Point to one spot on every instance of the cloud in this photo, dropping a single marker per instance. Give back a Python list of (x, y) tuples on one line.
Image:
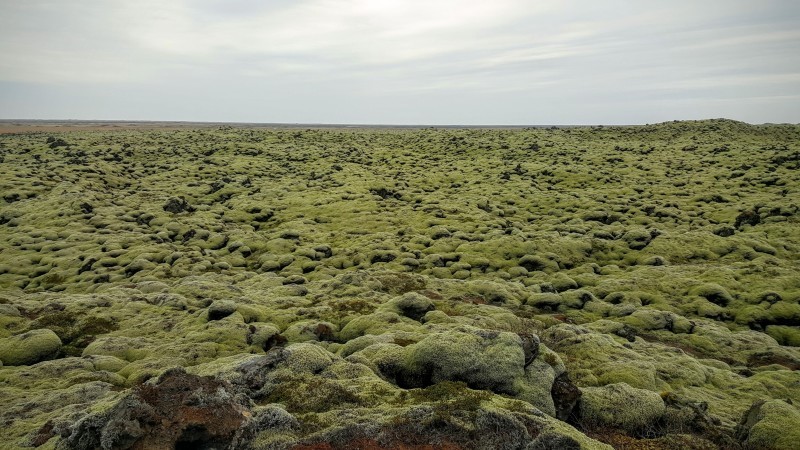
[(392, 48)]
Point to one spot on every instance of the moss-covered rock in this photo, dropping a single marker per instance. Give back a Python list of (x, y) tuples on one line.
[(125, 348), (774, 424), (621, 406), (482, 359), (220, 309), (29, 348), (411, 305), (310, 330)]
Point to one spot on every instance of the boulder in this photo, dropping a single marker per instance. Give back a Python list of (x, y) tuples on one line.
[(620, 406), (29, 348), (770, 425)]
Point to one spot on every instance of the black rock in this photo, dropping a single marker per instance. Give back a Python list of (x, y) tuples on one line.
[(177, 205)]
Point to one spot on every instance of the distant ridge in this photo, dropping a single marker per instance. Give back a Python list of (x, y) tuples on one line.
[(12, 126)]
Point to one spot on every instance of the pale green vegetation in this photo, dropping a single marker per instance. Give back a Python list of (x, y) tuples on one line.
[(461, 288)]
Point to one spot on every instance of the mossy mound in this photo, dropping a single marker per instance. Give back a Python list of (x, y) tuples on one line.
[(773, 424), (621, 406), (29, 348), (483, 360)]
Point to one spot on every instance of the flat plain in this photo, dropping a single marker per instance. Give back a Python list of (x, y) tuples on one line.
[(317, 288)]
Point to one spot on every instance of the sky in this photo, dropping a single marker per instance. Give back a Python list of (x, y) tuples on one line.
[(426, 62)]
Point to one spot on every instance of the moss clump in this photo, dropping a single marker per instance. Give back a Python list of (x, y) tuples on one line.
[(785, 335), (307, 393), (411, 305), (125, 348), (772, 425), (378, 322), (29, 348), (537, 384), (533, 263), (714, 293), (483, 359), (307, 358), (621, 406), (310, 330), (447, 397), (220, 309), (74, 331), (264, 336)]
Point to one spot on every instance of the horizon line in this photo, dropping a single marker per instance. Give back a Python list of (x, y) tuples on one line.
[(360, 125)]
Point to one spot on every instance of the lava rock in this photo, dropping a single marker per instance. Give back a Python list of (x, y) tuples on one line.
[(178, 205)]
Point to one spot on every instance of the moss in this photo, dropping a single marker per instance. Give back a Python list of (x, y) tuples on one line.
[(304, 331), (437, 317), (712, 292), (561, 282), (546, 301), (639, 374), (483, 360), (29, 348), (777, 426), (486, 234), (650, 319), (620, 405), (535, 387), (107, 363), (307, 393), (308, 358), (785, 335), (411, 305), (362, 342), (128, 349), (75, 332), (376, 323), (447, 397), (386, 359), (264, 336), (533, 263)]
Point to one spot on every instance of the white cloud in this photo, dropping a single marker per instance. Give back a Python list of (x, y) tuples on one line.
[(384, 48)]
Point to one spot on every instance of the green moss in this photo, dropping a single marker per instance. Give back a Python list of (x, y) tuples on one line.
[(29, 348), (650, 319), (785, 335), (308, 358), (447, 397), (483, 360), (639, 374), (777, 427), (712, 292), (536, 385), (128, 349), (307, 330), (618, 245), (307, 393), (376, 323), (620, 405)]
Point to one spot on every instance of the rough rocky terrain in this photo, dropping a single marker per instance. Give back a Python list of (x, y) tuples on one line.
[(586, 287)]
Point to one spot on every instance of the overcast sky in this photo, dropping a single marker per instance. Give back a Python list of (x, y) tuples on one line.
[(401, 61)]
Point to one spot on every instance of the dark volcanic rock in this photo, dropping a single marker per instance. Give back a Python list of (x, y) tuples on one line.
[(530, 346), (565, 396), (53, 143), (177, 205), (179, 410), (747, 218)]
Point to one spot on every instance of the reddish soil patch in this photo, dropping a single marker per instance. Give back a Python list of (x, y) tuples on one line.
[(179, 411)]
